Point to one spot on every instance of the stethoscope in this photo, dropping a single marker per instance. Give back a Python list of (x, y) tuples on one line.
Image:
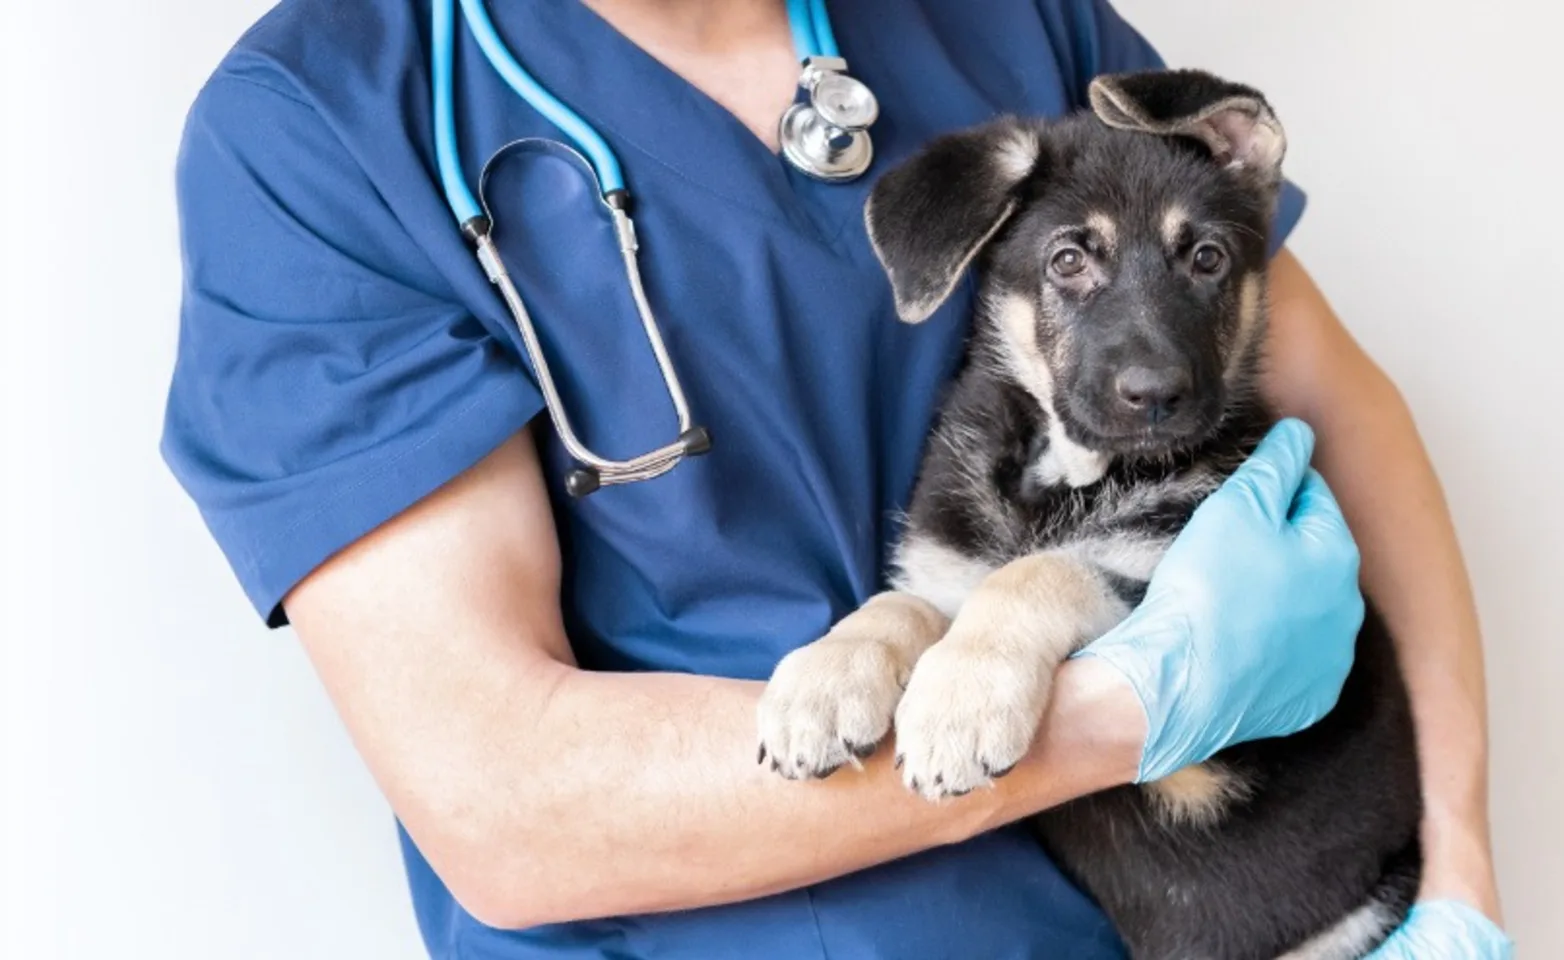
[(824, 134)]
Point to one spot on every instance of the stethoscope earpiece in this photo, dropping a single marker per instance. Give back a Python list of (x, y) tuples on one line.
[(585, 481), (825, 134), (696, 440)]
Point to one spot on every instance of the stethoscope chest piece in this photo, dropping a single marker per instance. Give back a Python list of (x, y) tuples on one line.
[(825, 134)]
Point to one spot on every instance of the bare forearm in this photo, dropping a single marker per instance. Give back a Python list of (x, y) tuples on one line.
[(645, 795), (540, 792), (545, 793), (1412, 568), (1370, 452)]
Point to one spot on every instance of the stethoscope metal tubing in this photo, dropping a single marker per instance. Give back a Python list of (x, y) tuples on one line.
[(596, 471), (624, 228), (604, 471)]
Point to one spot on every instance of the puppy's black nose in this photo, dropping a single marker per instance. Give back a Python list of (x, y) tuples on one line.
[(1154, 392)]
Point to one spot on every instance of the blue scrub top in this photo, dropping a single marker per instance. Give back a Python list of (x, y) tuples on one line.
[(341, 355)]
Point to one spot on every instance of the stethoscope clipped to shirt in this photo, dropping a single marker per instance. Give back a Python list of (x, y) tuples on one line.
[(824, 134)]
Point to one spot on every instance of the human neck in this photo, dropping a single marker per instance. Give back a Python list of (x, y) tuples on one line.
[(737, 52), (693, 26)]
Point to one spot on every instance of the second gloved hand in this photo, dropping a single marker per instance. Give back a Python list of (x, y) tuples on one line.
[(1446, 930), (1250, 621)]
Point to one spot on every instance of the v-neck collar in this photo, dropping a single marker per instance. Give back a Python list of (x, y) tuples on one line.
[(648, 112), (653, 116)]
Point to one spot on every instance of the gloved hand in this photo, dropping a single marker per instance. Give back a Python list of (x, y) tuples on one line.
[(1445, 930), (1250, 621)]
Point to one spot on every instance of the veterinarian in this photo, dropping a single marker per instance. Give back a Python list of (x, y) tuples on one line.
[(557, 695)]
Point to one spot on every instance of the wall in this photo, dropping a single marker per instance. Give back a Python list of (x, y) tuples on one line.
[(176, 785)]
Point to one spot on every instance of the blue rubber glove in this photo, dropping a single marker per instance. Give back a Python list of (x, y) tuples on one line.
[(1250, 621), (1445, 930)]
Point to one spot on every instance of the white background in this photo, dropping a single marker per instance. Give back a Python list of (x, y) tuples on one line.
[(176, 785)]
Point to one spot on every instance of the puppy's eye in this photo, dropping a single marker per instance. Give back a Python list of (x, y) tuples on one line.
[(1068, 262), (1208, 258)]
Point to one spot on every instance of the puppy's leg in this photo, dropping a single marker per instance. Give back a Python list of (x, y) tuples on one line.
[(975, 700), (831, 702)]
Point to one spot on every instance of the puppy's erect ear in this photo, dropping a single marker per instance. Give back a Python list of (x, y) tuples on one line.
[(929, 216), (1235, 121)]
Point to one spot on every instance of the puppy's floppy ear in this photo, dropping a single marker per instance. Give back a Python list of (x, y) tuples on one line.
[(1233, 120), (931, 215)]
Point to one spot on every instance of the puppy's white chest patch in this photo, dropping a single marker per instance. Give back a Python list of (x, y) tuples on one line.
[(937, 574), (1067, 462)]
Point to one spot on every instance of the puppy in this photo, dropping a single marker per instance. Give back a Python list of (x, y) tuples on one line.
[(1110, 385)]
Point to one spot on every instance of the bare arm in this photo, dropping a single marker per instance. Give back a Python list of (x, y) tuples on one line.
[(1370, 452), (542, 793)]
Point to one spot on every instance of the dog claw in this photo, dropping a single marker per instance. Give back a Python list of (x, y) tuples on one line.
[(761, 756), (900, 759), (860, 750), (996, 774)]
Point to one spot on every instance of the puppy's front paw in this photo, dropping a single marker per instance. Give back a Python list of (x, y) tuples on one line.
[(828, 704), (968, 716)]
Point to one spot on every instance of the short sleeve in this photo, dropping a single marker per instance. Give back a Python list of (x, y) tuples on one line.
[(325, 379), (1104, 42)]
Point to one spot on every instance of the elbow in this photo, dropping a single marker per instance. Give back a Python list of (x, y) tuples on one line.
[(510, 879), (505, 899), (538, 893), (500, 906)]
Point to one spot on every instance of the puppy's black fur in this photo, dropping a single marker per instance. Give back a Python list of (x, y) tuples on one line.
[(1110, 387)]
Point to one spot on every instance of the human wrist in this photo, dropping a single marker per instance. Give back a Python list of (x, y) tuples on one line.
[(1101, 716), (1091, 739), (1458, 861)]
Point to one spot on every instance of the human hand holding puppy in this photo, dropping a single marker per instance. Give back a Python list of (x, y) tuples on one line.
[(1446, 930), (1248, 626)]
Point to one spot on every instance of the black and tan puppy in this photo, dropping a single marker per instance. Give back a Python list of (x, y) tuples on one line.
[(1110, 386)]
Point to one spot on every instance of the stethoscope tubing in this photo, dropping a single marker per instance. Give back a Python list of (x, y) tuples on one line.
[(442, 40), (812, 37), (609, 175), (643, 467)]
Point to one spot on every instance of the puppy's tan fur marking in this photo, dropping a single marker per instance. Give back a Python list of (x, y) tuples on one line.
[(1174, 220), (976, 697), (1045, 600), (1198, 794), (1106, 230), (906, 624), (1251, 304), (1066, 461), (840, 692)]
